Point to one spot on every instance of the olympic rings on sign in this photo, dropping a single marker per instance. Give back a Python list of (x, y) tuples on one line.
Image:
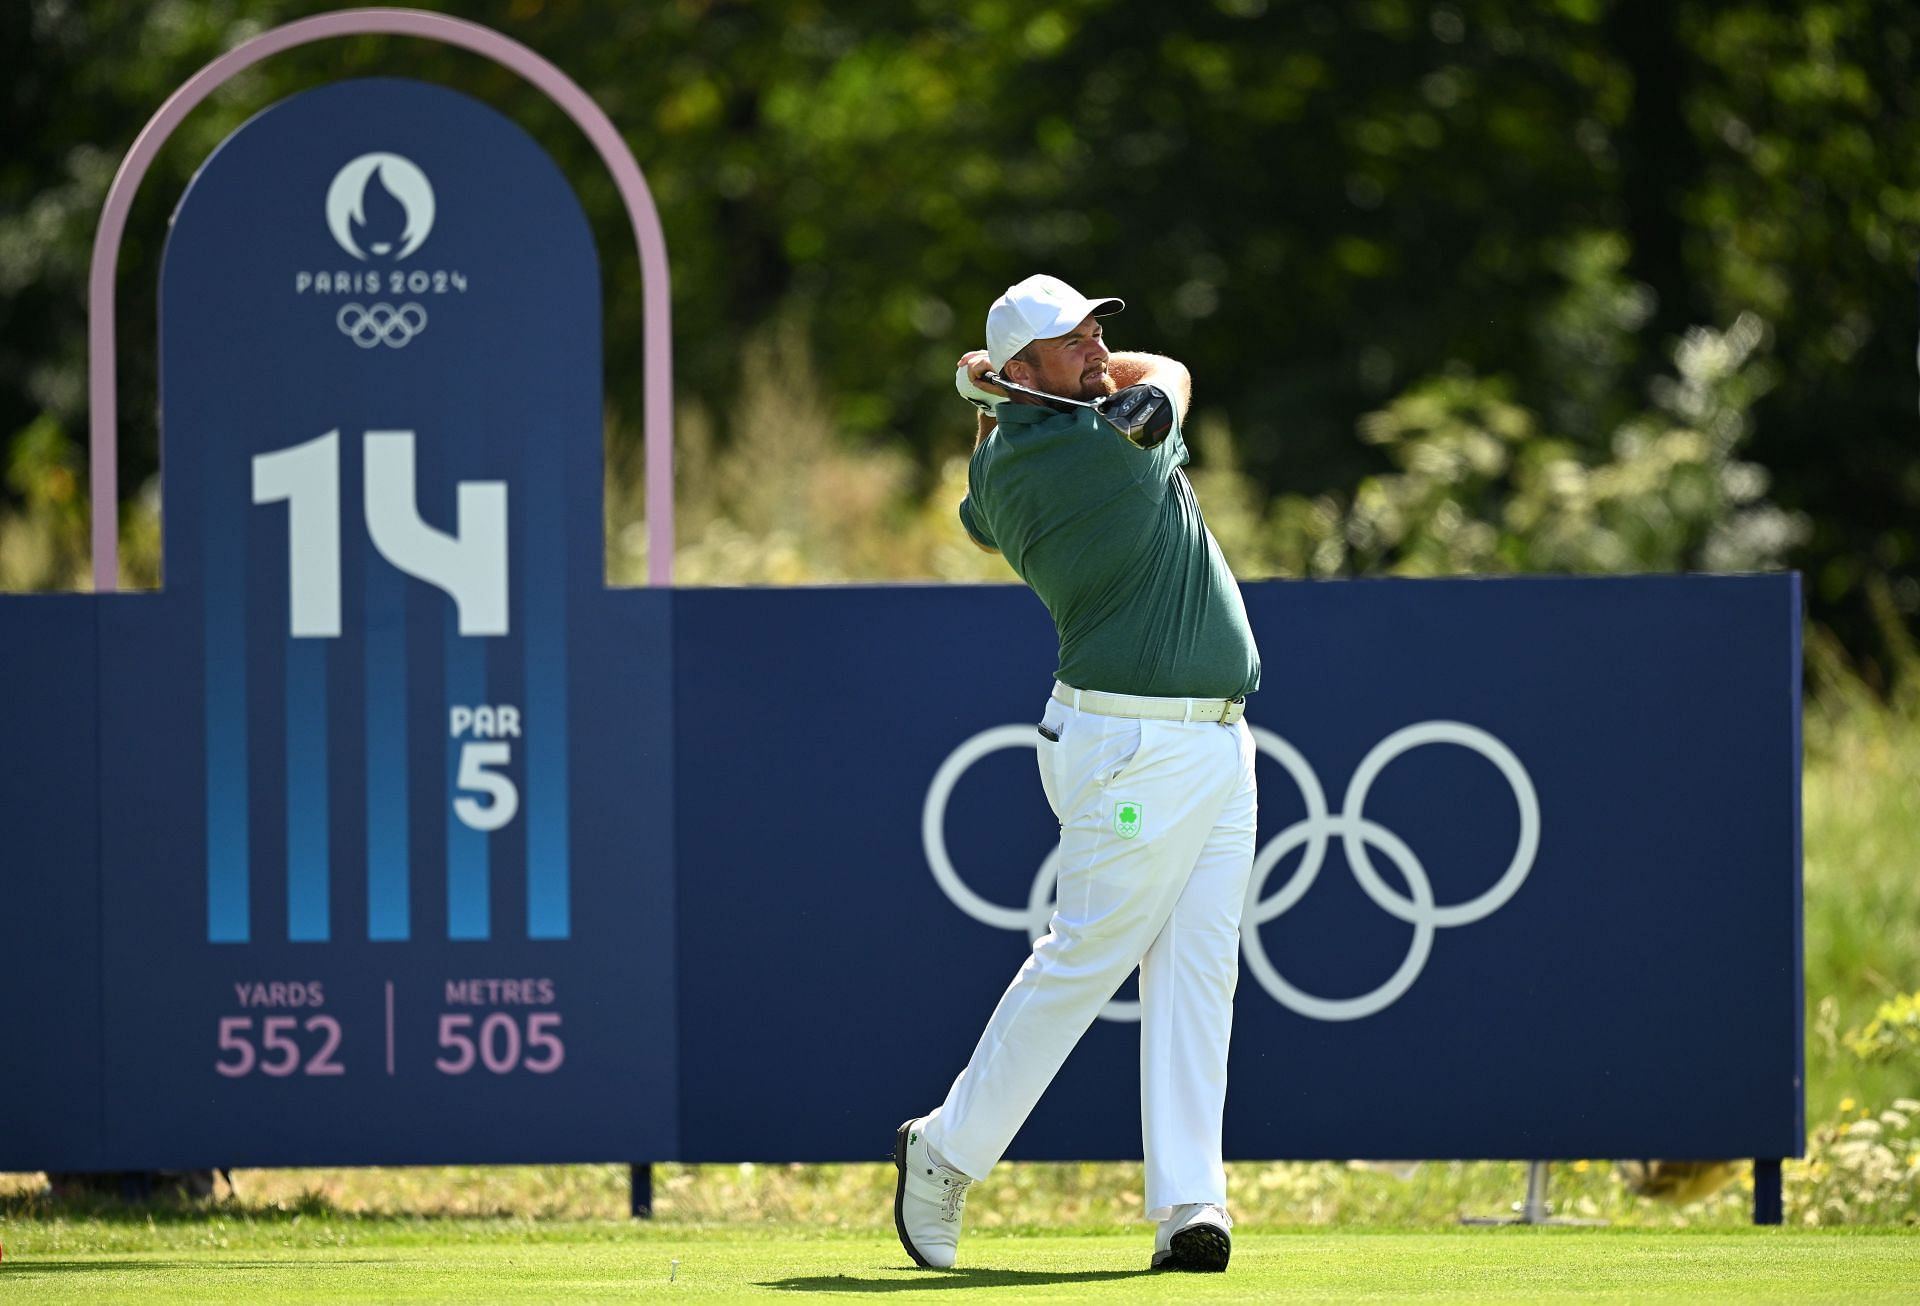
[(1311, 834), (382, 324)]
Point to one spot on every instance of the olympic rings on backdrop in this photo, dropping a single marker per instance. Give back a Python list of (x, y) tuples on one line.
[(1356, 834), (381, 324), (1311, 833)]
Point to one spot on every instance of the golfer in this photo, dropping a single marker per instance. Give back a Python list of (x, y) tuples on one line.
[(1143, 756)]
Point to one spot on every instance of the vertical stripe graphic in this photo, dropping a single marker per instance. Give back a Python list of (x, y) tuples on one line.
[(224, 573), (468, 914), (548, 842), (388, 907), (308, 845)]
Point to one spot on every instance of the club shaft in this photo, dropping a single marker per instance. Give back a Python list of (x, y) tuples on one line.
[(995, 378)]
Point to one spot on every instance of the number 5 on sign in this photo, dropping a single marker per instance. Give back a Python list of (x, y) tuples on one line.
[(503, 797), (470, 565), (490, 722)]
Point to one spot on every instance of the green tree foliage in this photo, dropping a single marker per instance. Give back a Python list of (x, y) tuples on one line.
[(1328, 210), (1479, 487)]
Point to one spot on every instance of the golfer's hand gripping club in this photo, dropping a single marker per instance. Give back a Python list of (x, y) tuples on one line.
[(984, 400)]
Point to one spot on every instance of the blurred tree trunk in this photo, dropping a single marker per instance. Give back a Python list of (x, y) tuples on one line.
[(1659, 162)]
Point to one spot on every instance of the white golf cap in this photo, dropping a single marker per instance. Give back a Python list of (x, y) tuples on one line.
[(1039, 308)]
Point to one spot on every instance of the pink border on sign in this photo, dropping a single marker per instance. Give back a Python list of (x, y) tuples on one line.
[(656, 338)]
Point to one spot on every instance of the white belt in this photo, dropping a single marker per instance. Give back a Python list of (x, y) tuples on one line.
[(1224, 710)]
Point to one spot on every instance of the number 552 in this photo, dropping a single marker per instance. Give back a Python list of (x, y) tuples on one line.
[(279, 1053)]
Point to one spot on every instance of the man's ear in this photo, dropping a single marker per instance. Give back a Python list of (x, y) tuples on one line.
[(1017, 370)]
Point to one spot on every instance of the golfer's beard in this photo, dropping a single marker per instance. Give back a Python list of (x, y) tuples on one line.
[(1094, 387)]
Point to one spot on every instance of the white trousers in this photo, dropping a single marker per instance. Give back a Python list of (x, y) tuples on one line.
[(1156, 847)]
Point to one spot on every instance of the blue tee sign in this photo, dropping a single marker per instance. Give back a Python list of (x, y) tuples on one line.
[(383, 896)]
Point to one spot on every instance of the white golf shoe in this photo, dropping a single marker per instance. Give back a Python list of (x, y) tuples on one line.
[(1194, 1237), (928, 1201)]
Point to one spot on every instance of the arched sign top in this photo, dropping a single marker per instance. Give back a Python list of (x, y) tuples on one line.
[(656, 340)]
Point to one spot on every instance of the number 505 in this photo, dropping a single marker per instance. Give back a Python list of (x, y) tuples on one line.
[(498, 1044)]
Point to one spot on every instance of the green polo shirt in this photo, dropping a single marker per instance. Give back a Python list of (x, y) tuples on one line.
[(1110, 537)]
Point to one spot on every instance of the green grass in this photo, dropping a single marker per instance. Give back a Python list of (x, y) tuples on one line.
[(420, 1261), (1862, 809), (830, 1198)]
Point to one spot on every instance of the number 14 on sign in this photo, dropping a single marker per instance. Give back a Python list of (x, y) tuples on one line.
[(470, 564)]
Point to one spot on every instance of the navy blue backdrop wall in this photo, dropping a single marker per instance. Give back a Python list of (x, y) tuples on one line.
[(1629, 986), (387, 834), (1626, 981)]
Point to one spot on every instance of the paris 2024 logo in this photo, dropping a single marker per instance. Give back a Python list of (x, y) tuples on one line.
[(380, 208)]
